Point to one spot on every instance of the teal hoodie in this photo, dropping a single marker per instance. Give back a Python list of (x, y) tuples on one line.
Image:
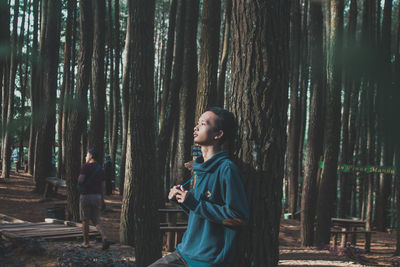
[(217, 205)]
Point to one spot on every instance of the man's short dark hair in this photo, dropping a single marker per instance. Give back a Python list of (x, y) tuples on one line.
[(92, 152), (225, 122)]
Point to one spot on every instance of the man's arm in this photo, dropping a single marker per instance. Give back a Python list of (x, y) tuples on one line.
[(234, 209)]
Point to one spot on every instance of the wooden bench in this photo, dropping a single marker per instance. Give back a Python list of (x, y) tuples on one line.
[(56, 182), (344, 234), (173, 228)]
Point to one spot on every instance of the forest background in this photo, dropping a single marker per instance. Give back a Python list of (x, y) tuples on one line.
[(309, 81)]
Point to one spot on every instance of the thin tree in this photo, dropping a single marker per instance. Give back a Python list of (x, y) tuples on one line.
[(187, 94), (4, 72), (46, 131), (139, 212), (96, 136), (327, 186), (77, 110), (126, 65), (260, 105), (65, 93), (292, 161), (8, 111), (224, 53), (34, 82), (116, 87), (315, 127)]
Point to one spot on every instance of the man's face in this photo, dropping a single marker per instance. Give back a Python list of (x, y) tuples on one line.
[(88, 157), (205, 132)]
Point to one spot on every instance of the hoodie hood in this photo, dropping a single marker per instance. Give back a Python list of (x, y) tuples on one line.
[(200, 167)]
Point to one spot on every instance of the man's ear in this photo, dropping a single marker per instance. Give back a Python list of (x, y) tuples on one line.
[(219, 135)]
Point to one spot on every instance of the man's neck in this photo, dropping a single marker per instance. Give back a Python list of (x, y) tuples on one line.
[(209, 151), (91, 161)]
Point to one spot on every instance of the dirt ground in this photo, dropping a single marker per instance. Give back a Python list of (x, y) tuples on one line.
[(18, 201)]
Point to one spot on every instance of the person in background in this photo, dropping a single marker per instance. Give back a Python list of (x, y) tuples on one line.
[(92, 186)]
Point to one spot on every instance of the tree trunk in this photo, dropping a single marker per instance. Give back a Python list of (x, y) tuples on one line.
[(224, 53), (382, 200), (66, 87), (9, 130), (260, 105), (141, 180), (116, 89), (96, 137), (125, 98), (209, 47), (4, 79), (46, 131), (315, 127), (34, 87), (294, 121), (397, 185), (77, 111), (172, 112), (187, 95), (165, 105), (327, 186)]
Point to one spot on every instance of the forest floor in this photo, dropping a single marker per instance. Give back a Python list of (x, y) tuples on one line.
[(17, 200)]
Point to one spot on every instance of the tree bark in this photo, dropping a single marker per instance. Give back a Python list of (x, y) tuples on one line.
[(327, 186), (187, 95), (315, 127), (225, 53), (209, 47), (125, 97), (34, 87), (96, 137), (116, 88), (141, 180), (77, 111), (165, 105), (4, 78), (9, 130), (172, 111), (260, 106), (46, 131), (65, 93), (292, 156)]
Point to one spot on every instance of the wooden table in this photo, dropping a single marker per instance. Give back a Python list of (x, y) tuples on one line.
[(174, 231), (349, 227), (54, 181)]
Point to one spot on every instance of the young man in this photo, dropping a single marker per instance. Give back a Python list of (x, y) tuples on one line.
[(217, 204), (92, 182)]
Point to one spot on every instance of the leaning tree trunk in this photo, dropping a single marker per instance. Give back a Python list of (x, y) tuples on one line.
[(327, 186), (260, 40), (96, 137), (209, 47), (77, 110), (141, 180), (315, 127)]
